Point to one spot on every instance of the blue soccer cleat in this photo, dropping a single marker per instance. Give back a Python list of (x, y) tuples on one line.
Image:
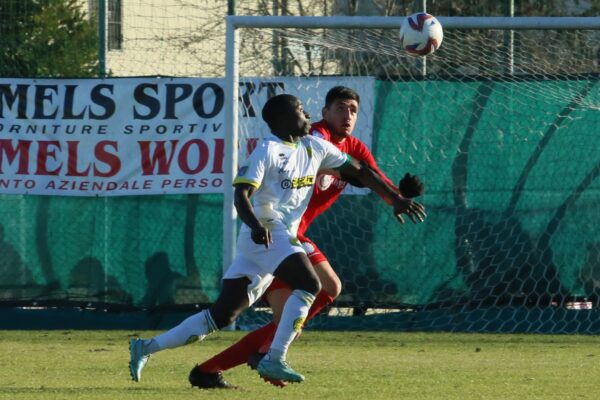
[(253, 361), (138, 359), (278, 370)]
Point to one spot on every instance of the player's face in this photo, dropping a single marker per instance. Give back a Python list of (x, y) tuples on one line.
[(341, 116), (299, 121)]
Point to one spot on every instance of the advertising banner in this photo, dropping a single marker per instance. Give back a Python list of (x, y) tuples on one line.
[(135, 136)]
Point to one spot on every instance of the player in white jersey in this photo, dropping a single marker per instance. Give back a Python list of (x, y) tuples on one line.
[(279, 176)]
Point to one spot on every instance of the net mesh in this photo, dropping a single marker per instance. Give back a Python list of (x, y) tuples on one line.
[(508, 152)]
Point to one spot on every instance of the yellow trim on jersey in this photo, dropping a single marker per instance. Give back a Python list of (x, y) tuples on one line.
[(248, 181), (309, 151), (294, 145)]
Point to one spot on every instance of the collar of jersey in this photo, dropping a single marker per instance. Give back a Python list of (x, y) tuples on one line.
[(294, 145)]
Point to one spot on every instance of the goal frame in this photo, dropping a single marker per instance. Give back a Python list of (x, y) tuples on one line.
[(234, 23)]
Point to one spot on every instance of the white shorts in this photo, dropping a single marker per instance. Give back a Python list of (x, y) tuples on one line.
[(257, 263)]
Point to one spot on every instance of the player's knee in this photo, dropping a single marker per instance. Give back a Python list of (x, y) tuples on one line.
[(330, 282), (232, 300), (224, 320), (332, 285), (223, 317), (310, 284), (313, 285)]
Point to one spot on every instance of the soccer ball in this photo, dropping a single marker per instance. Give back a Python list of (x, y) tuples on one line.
[(421, 34)]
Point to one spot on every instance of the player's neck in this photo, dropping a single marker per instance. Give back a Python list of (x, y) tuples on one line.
[(338, 138), (286, 137)]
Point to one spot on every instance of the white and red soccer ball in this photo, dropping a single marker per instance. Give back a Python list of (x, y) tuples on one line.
[(421, 34)]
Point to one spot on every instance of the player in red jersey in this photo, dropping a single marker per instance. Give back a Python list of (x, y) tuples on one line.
[(339, 118)]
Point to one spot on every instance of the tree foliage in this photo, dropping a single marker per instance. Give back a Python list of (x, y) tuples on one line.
[(46, 38)]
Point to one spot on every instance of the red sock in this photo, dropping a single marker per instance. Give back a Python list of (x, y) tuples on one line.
[(238, 353), (322, 300)]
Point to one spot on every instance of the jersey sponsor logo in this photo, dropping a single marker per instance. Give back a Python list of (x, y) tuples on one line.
[(340, 183), (325, 181), (298, 183), (242, 171)]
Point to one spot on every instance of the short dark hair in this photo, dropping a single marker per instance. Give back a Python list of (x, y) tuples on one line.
[(277, 107), (340, 93)]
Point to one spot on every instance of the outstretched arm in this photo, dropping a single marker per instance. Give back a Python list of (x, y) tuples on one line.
[(410, 186), (241, 200), (371, 179)]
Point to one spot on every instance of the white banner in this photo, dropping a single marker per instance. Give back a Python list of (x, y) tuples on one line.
[(133, 136)]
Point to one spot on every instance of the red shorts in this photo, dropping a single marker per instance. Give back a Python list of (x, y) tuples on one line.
[(314, 255)]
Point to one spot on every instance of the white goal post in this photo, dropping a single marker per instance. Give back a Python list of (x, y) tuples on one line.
[(501, 125), (232, 73)]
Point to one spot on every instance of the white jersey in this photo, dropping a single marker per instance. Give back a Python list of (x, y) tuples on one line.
[(284, 175)]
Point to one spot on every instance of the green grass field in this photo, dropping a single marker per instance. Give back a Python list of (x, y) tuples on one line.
[(337, 365)]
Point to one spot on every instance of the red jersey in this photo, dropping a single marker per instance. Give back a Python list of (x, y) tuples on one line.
[(327, 187)]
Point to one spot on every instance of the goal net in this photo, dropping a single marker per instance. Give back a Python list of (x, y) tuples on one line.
[(501, 126)]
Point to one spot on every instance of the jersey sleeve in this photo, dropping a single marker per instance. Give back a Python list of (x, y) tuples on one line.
[(332, 156), (253, 170)]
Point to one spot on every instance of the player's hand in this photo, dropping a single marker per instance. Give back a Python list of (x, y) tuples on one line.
[(261, 235), (411, 186), (415, 211)]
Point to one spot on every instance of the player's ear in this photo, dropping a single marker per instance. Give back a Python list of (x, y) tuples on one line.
[(324, 112)]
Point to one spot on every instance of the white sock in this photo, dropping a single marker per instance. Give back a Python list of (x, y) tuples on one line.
[(292, 319), (192, 329)]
